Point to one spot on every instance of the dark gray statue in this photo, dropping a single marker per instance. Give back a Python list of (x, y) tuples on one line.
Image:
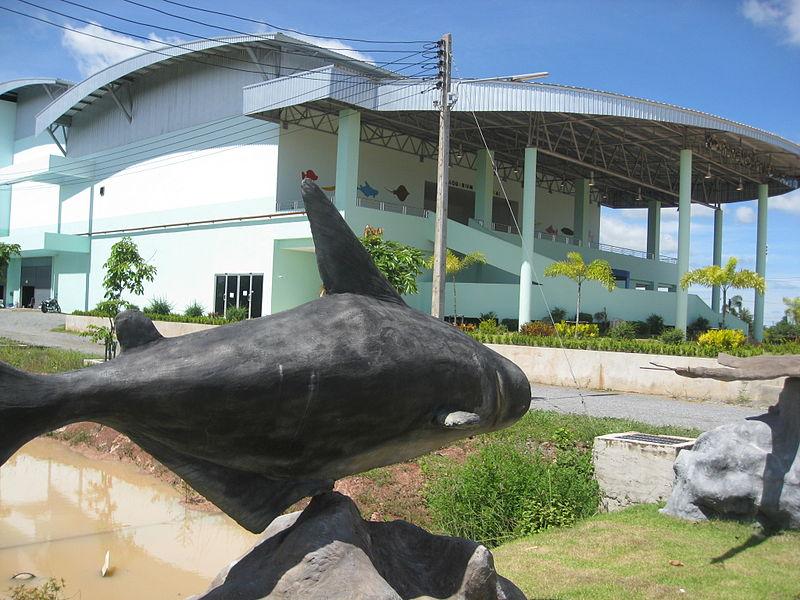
[(748, 469), (257, 415)]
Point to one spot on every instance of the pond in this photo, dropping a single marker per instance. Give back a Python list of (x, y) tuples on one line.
[(61, 512)]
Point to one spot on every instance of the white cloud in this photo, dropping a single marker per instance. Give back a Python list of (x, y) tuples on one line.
[(745, 214), (93, 54), (788, 202), (335, 46), (783, 14), (622, 233)]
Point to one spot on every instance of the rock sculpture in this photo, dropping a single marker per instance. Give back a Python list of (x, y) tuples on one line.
[(259, 414), (749, 469), (329, 551)]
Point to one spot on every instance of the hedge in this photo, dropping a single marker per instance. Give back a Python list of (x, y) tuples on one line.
[(636, 346), (156, 317)]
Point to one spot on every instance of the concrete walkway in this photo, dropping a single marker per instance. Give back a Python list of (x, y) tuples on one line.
[(657, 410), (34, 327)]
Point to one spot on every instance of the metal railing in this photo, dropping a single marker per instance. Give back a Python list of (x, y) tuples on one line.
[(394, 207)]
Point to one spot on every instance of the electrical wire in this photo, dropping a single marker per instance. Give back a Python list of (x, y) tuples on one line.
[(529, 251), (107, 170), (89, 161), (273, 26), (228, 29), (352, 62)]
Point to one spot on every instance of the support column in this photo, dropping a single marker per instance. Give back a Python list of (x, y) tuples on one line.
[(581, 221), (653, 229), (484, 186), (684, 222), (8, 120), (347, 143), (761, 261), (13, 282), (527, 222), (717, 258)]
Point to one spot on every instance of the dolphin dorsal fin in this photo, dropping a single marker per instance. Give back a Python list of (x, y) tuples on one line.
[(344, 265), (135, 329)]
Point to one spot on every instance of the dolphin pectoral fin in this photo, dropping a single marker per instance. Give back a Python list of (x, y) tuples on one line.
[(134, 329), (251, 500), (459, 420)]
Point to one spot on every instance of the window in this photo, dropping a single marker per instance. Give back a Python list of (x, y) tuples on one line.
[(242, 290)]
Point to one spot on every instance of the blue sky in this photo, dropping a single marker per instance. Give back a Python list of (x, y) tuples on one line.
[(739, 59)]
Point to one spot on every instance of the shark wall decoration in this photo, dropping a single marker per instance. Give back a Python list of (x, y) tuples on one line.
[(258, 414)]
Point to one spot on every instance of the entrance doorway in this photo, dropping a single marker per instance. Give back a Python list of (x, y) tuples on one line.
[(28, 296), (239, 290)]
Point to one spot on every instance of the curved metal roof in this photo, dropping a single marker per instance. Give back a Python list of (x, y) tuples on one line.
[(96, 86), (631, 146), (6, 87)]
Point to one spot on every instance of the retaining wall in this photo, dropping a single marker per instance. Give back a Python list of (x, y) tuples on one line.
[(165, 328), (629, 372)]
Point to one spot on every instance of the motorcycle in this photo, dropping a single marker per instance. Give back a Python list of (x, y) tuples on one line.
[(50, 305)]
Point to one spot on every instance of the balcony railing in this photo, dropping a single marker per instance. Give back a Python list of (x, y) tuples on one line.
[(401, 209)]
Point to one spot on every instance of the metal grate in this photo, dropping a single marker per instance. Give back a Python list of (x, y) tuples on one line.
[(653, 439)]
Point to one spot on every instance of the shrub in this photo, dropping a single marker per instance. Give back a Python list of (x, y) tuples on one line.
[(211, 319), (655, 324), (195, 309), (582, 330), (672, 336), (159, 306), (696, 327), (467, 327), (490, 327), (488, 316), (782, 331), (538, 328), (557, 314), (236, 313), (622, 330), (503, 492), (510, 324), (724, 339)]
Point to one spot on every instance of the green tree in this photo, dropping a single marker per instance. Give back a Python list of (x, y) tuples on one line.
[(455, 264), (126, 271), (575, 268), (399, 263), (792, 309), (726, 278), (7, 252)]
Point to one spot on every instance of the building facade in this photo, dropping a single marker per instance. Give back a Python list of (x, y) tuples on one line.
[(199, 160)]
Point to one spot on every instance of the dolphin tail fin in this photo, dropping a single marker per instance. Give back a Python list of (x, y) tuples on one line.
[(27, 409)]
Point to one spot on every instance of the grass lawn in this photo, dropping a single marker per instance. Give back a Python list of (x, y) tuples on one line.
[(37, 359), (627, 554)]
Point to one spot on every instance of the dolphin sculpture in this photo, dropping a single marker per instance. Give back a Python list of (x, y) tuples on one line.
[(258, 414)]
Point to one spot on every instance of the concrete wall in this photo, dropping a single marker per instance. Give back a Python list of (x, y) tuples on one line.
[(165, 328), (623, 371)]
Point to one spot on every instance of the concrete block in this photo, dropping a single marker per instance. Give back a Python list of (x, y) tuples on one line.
[(635, 468)]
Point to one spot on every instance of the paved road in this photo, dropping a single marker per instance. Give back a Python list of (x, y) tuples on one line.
[(34, 327), (658, 410)]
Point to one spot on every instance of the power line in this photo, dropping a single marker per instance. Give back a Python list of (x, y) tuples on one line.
[(359, 63), (93, 162), (110, 169), (273, 26)]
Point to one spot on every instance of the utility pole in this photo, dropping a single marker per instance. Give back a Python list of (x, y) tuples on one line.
[(442, 177)]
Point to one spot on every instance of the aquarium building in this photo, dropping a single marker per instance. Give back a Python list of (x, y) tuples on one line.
[(197, 153)]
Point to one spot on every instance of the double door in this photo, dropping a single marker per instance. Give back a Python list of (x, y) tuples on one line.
[(239, 290)]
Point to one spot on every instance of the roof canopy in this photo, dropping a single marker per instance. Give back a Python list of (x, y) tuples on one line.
[(630, 147), (52, 85)]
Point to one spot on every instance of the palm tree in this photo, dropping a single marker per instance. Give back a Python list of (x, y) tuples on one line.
[(725, 278), (792, 309), (576, 269), (454, 264), (7, 252)]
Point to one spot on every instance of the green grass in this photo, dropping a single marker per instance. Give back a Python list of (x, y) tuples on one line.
[(37, 359), (627, 554), (63, 329)]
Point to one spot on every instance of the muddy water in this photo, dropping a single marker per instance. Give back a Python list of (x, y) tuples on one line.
[(61, 512)]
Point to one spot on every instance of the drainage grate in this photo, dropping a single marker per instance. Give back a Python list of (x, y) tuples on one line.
[(653, 439)]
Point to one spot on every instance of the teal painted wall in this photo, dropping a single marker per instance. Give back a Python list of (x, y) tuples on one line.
[(295, 278), (8, 120), (13, 281), (70, 273)]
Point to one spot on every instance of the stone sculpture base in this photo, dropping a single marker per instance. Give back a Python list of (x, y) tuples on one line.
[(745, 470), (328, 552)]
